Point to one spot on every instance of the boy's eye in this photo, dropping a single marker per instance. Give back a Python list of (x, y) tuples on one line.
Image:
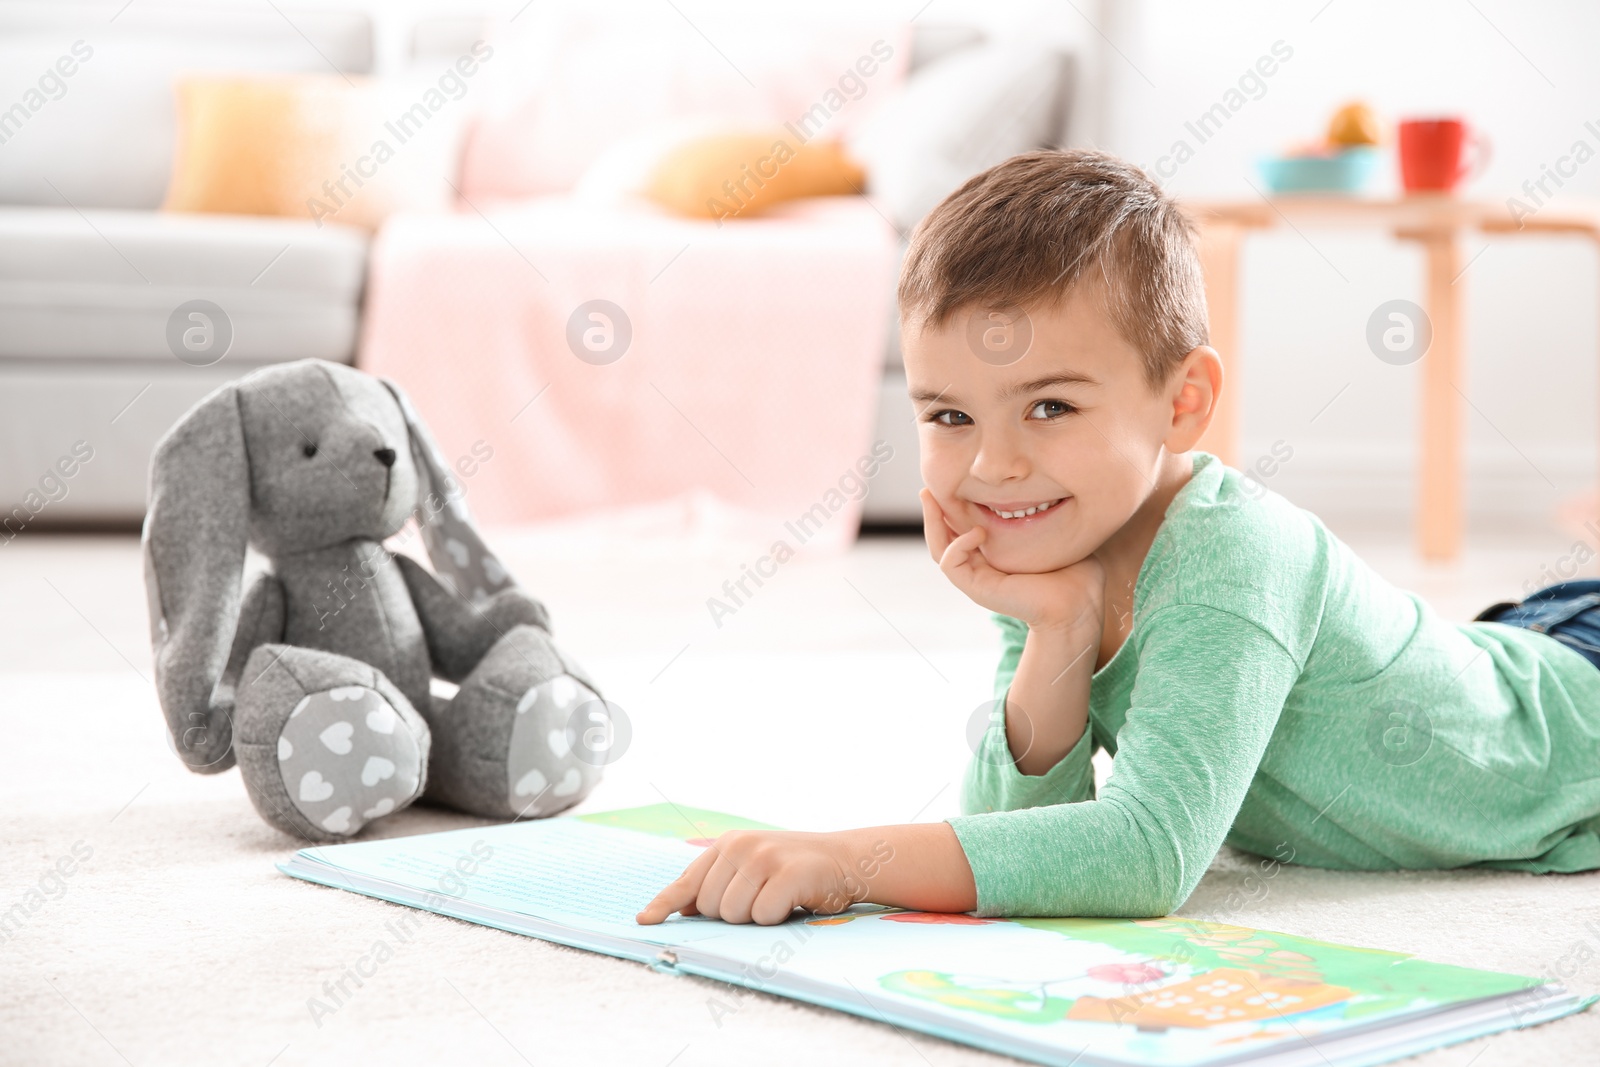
[(940, 417), (1050, 409)]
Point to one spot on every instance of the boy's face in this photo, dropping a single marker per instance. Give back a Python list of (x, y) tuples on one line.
[(1071, 424)]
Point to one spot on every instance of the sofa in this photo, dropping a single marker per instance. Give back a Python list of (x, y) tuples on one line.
[(793, 309), (116, 317)]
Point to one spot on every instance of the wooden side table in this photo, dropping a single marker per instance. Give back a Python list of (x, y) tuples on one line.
[(1436, 222)]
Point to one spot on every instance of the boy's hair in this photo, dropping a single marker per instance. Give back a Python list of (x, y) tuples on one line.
[(1025, 231)]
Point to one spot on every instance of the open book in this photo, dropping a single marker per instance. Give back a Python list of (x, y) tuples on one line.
[(1166, 991)]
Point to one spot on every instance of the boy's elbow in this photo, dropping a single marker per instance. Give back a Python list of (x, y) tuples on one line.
[(1168, 894), (1139, 905), (1144, 897), (1158, 905), (1149, 891)]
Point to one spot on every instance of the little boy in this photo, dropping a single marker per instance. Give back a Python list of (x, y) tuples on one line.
[(1257, 683)]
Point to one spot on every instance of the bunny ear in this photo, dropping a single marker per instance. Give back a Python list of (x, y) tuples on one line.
[(457, 553), (195, 533)]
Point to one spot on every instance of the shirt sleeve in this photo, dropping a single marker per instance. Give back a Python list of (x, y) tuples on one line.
[(1209, 689), (1013, 634), (993, 782)]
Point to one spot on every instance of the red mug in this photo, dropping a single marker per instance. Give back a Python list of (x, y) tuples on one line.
[(1434, 154)]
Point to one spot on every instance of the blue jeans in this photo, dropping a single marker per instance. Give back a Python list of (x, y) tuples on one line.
[(1566, 611)]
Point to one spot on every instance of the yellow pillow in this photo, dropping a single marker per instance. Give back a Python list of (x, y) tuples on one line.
[(736, 175), (305, 146)]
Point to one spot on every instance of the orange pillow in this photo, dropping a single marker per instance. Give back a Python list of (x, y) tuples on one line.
[(304, 146), (736, 175)]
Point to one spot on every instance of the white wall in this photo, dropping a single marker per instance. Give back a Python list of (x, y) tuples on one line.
[(1526, 74)]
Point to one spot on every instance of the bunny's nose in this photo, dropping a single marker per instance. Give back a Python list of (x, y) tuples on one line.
[(385, 456)]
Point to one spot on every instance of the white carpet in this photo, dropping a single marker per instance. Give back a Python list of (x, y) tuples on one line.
[(836, 697)]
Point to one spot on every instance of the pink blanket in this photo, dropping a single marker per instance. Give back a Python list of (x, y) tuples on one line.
[(751, 372)]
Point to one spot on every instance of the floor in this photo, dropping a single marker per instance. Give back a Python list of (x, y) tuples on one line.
[(835, 695)]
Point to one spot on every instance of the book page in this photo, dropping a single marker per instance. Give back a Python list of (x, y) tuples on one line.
[(1167, 991), (565, 870), (1157, 992)]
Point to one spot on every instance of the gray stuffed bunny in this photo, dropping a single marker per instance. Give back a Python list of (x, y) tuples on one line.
[(319, 683)]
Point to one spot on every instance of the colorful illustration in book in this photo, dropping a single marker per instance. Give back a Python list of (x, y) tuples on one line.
[(1027, 1002), (1225, 995), (900, 915), (942, 918), (1211, 998), (1194, 974), (1144, 997), (1382, 980)]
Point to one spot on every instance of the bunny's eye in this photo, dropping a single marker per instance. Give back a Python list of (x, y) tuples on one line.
[(309, 450)]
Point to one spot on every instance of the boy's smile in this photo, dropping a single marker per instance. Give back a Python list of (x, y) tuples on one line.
[(1052, 454), (1020, 513)]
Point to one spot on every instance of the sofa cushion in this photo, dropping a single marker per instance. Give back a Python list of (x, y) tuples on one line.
[(740, 174), (86, 110), (959, 116), (311, 146), (104, 284)]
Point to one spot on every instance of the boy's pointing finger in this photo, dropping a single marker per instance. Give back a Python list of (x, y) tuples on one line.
[(680, 894)]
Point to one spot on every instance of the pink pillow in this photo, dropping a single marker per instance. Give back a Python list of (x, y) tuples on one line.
[(570, 80)]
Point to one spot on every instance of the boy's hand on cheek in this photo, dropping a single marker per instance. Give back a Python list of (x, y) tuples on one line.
[(760, 876), (1069, 599)]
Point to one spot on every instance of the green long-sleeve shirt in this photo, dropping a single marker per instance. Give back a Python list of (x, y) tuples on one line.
[(1277, 695)]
